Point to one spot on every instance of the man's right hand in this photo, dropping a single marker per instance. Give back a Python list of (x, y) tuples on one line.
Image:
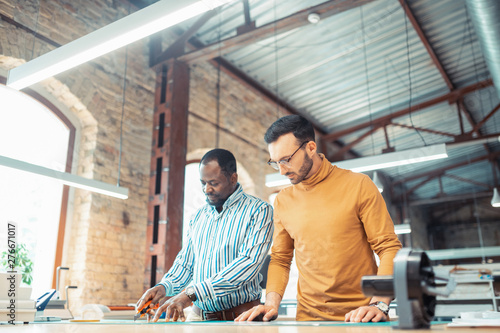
[(155, 294), (268, 312)]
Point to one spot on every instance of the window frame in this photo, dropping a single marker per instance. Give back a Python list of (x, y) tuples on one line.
[(63, 214)]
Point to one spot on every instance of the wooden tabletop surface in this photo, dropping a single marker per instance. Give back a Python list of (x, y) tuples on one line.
[(229, 327)]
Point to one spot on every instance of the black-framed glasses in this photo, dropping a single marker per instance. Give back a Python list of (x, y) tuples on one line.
[(285, 162)]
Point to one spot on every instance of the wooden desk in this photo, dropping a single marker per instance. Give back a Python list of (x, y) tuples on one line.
[(228, 327)]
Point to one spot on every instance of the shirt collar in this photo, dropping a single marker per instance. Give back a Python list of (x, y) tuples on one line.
[(237, 194)]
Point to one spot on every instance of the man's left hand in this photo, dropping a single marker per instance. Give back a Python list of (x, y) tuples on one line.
[(365, 314), (173, 308)]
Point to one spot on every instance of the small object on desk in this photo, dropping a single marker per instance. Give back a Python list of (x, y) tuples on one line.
[(144, 310), (91, 312), (413, 284), (477, 319), (121, 308), (58, 272), (41, 304)]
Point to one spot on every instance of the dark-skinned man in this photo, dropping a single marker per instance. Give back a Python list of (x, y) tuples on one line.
[(228, 240)]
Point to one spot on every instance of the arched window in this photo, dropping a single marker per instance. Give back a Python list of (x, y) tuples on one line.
[(193, 195), (33, 130)]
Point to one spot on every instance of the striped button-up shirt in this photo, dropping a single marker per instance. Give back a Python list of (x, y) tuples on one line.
[(224, 253)]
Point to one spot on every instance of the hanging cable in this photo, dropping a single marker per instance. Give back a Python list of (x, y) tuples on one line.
[(494, 118), (276, 60), (476, 75), (35, 33), (389, 95), (217, 121), (478, 220), (454, 68), (121, 120), (474, 195), (123, 112), (366, 76), (409, 74)]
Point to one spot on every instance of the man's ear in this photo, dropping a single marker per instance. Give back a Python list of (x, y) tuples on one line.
[(234, 178), (311, 148)]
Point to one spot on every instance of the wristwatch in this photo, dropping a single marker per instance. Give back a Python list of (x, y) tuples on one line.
[(381, 306), (191, 293)]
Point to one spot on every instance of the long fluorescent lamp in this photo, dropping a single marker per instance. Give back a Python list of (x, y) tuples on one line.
[(145, 22), (403, 228), (66, 178), (474, 252), (399, 158)]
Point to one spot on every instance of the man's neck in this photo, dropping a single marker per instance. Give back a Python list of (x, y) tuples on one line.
[(317, 161), (219, 208)]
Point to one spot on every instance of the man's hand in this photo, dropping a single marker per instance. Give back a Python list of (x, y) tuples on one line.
[(173, 308), (365, 314), (155, 295), (266, 312)]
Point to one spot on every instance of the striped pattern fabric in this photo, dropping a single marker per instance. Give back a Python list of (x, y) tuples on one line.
[(224, 253)]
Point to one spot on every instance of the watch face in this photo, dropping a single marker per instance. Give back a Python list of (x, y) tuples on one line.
[(382, 306), (191, 294)]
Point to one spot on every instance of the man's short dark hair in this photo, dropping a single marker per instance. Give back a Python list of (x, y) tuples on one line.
[(224, 158), (301, 128)]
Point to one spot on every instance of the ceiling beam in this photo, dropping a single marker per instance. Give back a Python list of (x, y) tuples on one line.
[(461, 108), (340, 153), (425, 41), (294, 21), (31, 32), (450, 198), (421, 129), (450, 97), (485, 119), (239, 75), (466, 136), (177, 48), (248, 81), (423, 182), (466, 180), (449, 167), (249, 24)]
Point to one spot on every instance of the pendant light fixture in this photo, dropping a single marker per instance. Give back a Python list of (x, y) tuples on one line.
[(377, 182), (495, 201), (145, 22)]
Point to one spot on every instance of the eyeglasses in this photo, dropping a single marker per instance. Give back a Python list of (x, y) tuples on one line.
[(286, 161)]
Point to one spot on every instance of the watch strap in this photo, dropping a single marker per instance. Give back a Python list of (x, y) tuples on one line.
[(190, 292), (381, 306)]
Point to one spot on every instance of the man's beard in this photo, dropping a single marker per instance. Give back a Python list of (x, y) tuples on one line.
[(303, 171), (217, 203)]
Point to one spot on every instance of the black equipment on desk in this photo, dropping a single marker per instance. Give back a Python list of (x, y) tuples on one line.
[(413, 284)]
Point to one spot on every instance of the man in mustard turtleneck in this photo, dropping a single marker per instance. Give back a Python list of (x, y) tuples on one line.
[(334, 219)]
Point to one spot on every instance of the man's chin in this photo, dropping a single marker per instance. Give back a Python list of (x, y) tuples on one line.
[(217, 203), (296, 180)]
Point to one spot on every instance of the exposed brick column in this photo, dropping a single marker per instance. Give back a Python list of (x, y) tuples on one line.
[(168, 161)]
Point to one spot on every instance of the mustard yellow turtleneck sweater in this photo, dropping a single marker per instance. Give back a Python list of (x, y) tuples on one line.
[(334, 221)]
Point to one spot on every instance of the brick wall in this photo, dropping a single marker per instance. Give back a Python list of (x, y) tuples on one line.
[(105, 240), (244, 117)]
